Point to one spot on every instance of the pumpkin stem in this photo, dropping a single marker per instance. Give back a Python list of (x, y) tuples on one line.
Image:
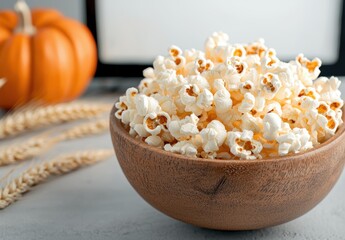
[(2, 82), (24, 15)]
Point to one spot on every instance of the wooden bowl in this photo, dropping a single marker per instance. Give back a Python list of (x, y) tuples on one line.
[(229, 194)]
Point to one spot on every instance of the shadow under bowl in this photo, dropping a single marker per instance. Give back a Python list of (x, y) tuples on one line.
[(229, 194)]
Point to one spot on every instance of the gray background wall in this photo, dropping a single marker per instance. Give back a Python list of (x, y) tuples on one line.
[(71, 8)]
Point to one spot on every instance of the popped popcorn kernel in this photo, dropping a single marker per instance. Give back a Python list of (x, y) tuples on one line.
[(308, 92), (272, 125), (237, 64), (238, 51), (154, 123), (246, 86), (307, 70), (121, 107), (175, 51), (184, 128), (270, 85), (323, 108), (203, 65), (145, 105), (270, 61), (213, 136), (294, 141), (243, 145), (183, 147), (312, 66), (232, 101), (247, 104), (256, 48), (155, 141), (194, 99)]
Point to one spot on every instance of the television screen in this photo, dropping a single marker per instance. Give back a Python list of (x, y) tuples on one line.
[(134, 31)]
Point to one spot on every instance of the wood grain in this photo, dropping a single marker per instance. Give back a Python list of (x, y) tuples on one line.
[(229, 194)]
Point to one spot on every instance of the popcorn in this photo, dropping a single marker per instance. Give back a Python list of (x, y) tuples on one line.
[(175, 51), (216, 45), (159, 64), (243, 146), (237, 50), (194, 99), (294, 141), (183, 147), (246, 86), (145, 105), (247, 104), (148, 86), (230, 76), (204, 154), (121, 106), (237, 64), (309, 92), (213, 136), (149, 73), (270, 84), (198, 80), (270, 61), (249, 122), (328, 90), (127, 116), (131, 94), (201, 65), (217, 39), (259, 103), (126, 106), (167, 103), (308, 70), (307, 103), (222, 98), (328, 124), (179, 60), (154, 123), (272, 106), (253, 62), (185, 128), (170, 82), (137, 127), (256, 48), (155, 141), (224, 155), (191, 55), (290, 115), (231, 72), (231, 119), (272, 125), (233, 101)]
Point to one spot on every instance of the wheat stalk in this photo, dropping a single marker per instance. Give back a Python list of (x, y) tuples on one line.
[(33, 147), (37, 174), (31, 118), (37, 145), (87, 129)]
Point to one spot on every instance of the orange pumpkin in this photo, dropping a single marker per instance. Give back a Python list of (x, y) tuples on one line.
[(44, 56)]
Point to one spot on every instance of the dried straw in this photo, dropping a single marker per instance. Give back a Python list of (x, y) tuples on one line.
[(37, 145), (34, 117), (37, 174)]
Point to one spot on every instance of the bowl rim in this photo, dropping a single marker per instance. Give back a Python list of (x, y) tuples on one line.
[(118, 126)]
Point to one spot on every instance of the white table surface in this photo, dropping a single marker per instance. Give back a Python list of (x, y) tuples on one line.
[(98, 203)]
